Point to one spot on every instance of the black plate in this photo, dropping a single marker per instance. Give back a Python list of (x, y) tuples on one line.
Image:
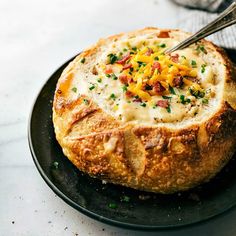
[(128, 208)]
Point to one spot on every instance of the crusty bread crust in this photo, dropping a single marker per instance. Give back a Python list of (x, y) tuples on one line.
[(151, 158)]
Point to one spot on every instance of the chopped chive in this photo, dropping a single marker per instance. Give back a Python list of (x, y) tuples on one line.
[(113, 96), (92, 87), (203, 68), (124, 88), (197, 93), (125, 199), (183, 100), (140, 63), (172, 91), (205, 101), (125, 49), (114, 77), (166, 97), (201, 48), (112, 205), (108, 75), (163, 45), (170, 65), (168, 109), (86, 101), (55, 164), (193, 64), (74, 89), (134, 49), (184, 57), (156, 58), (143, 104), (112, 58), (99, 80), (82, 60), (148, 87)]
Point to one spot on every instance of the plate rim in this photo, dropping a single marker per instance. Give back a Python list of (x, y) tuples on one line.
[(83, 210)]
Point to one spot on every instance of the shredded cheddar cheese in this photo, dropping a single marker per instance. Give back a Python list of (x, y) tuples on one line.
[(150, 67)]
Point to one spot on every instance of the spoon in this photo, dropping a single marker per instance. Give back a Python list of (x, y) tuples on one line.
[(225, 19)]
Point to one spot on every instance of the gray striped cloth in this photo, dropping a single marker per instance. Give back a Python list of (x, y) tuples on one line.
[(194, 19)]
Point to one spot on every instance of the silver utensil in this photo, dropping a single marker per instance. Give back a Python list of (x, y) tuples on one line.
[(225, 19)]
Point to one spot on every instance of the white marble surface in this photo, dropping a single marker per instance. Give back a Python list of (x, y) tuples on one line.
[(36, 37)]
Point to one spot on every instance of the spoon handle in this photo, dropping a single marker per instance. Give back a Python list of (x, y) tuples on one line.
[(225, 19)]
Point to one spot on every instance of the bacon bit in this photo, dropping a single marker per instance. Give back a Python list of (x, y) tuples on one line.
[(108, 70), (130, 80), (193, 79), (137, 100), (178, 81), (158, 88), (123, 79), (124, 59), (163, 34), (129, 94), (94, 70), (149, 52), (127, 66), (163, 103), (175, 58), (156, 65)]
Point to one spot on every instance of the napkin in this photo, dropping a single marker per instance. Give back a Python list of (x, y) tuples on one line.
[(201, 13)]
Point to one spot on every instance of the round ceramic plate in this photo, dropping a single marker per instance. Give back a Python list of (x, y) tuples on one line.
[(119, 205)]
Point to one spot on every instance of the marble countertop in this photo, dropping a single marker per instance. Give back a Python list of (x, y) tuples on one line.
[(36, 38)]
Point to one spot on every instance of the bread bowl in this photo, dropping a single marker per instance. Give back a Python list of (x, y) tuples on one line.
[(128, 114)]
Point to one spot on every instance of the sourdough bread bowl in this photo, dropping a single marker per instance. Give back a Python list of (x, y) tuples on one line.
[(128, 114)]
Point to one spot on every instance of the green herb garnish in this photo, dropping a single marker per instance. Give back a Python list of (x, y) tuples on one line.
[(201, 48), (124, 88), (125, 199), (99, 80), (82, 60), (148, 87), (166, 97), (205, 101), (55, 164), (114, 77), (172, 91), (143, 104), (203, 68), (86, 101), (140, 63), (112, 205), (197, 93), (163, 45), (74, 89), (183, 100), (156, 58), (112, 58), (193, 64), (168, 109), (113, 96), (92, 87)]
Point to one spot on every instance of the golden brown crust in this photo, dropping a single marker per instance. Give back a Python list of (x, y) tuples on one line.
[(157, 159)]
